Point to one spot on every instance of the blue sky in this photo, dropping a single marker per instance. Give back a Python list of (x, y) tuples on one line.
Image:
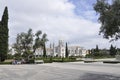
[(74, 21), (84, 6)]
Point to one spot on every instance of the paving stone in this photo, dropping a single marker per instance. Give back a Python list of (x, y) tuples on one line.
[(60, 71)]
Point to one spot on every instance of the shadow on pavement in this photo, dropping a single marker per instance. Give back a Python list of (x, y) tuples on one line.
[(90, 76)]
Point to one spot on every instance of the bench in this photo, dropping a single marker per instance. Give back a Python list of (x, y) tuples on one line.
[(18, 62), (39, 61)]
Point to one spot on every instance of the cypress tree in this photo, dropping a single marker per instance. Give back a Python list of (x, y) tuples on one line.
[(44, 50), (97, 49), (4, 35), (66, 51), (113, 50)]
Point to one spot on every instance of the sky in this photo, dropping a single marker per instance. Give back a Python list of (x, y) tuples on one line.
[(73, 21)]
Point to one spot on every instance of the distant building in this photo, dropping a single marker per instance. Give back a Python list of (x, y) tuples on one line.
[(59, 50)]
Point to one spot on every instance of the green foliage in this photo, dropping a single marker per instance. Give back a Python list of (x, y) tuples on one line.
[(4, 35), (47, 60), (31, 61), (56, 59), (97, 49), (44, 50), (5, 63), (66, 51), (111, 62), (118, 51), (39, 58), (103, 53), (10, 56), (27, 43), (68, 60), (38, 41), (109, 17), (113, 50), (23, 44), (89, 61), (64, 59)]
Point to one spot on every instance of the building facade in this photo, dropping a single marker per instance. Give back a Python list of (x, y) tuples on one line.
[(59, 50)]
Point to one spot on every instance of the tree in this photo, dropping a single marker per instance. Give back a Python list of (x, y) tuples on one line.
[(44, 50), (118, 51), (109, 17), (4, 35), (38, 42), (66, 51), (18, 47), (24, 43), (44, 40), (113, 50), (97, 49), (27, 43)]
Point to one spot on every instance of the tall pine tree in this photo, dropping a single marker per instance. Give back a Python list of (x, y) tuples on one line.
[(4, 35), (44, 50), (97, 49), (113, 50), (66, 51)]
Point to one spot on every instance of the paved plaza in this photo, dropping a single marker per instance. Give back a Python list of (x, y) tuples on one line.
[(61, 71)]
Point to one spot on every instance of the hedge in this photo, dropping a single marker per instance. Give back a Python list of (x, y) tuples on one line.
[(89, 61), (5, 63), (112, 62)]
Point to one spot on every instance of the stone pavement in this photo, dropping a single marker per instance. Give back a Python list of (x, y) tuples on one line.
[(61, 71)]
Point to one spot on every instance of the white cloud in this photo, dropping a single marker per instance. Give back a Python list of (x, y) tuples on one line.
[(56, 18)]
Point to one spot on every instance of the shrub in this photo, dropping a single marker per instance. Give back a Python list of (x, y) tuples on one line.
[(38, 58), (47, 60), (31, 61), (89, 61), (5, 63), (117, 57), (64, 60), (112, 62)]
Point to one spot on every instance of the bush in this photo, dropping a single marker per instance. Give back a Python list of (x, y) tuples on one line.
[(98, 55), (112, 62), (89, 61), (57, 60), (47, 60), (39, 58), (31, 61), (117, 57), (72, 58), (69, 59), (5, 63), (64, 60)]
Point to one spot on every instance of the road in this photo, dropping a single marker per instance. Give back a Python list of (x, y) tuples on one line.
[(61, 71)]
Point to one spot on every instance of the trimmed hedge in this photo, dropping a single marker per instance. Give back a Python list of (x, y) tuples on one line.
[(64, 60), (5, 63), (89, 61), (50, 60), (47, 61), (112, 62), (31, 61)]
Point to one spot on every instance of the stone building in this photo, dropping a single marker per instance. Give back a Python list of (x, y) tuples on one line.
[(59, 50)]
